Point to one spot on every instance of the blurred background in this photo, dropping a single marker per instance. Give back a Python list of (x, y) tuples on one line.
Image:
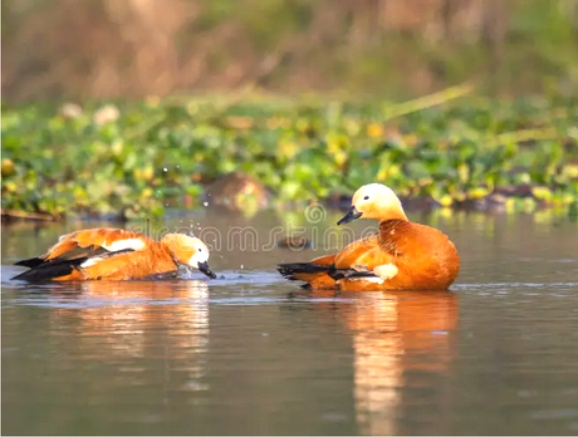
[(455, 102), (58, 49)]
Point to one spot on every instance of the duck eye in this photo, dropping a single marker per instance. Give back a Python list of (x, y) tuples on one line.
[(200, 250), (366, 198)]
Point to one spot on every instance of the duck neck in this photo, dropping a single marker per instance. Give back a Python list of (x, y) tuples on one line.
[(394, 215), (166, 242)]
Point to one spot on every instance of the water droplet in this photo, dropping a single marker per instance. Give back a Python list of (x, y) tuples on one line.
[(165, 169)]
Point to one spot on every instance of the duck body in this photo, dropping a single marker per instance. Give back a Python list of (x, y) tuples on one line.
[(402, 256), (115, 254)]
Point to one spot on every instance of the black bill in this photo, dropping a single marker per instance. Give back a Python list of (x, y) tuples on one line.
[(204, 267), (351, 215)]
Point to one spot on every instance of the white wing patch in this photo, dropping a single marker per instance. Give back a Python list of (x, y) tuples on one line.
[(371, 279), (91, 262), (128, 244), (116, 246), (383, 272), (386, 271)]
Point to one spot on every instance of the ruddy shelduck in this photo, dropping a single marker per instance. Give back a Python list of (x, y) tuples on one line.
[(402, 256), (116, 254)]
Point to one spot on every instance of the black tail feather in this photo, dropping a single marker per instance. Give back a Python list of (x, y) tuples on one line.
[(30, 263), (351, 273), (288, 270), (42, 270), (48, 270)]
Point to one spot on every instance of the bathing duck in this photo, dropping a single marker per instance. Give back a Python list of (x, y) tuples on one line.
[(116, 254), (402, 256)]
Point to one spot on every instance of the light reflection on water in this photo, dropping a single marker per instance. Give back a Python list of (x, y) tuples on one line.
[(391, 333), (252, 354)]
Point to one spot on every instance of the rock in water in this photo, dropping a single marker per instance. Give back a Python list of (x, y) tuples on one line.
[(237, 192)]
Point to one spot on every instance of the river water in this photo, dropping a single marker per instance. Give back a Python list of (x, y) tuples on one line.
[(250, 353)]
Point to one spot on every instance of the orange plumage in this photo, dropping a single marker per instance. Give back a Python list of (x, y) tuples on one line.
[(403, 256), (115, 254)]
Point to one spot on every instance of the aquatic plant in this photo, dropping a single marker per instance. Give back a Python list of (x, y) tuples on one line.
[(138, 159)]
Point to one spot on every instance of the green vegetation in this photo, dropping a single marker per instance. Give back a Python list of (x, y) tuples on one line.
[(145, 156)]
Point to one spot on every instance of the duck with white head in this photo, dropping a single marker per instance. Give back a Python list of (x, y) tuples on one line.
[(403, 256), (114, 255)]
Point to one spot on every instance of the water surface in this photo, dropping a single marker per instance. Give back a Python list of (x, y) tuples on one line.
[(250, 353)]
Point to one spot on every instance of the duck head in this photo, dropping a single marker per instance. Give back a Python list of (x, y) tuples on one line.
[(374, 201), (190, 252)]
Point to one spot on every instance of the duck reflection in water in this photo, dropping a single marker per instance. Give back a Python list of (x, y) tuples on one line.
[(394, 334), (126, 321)]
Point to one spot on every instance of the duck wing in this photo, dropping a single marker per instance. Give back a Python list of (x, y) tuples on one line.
[(77, 248)]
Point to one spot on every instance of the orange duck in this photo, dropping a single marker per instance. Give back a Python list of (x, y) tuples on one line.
[(116, 254), (403, 256)]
